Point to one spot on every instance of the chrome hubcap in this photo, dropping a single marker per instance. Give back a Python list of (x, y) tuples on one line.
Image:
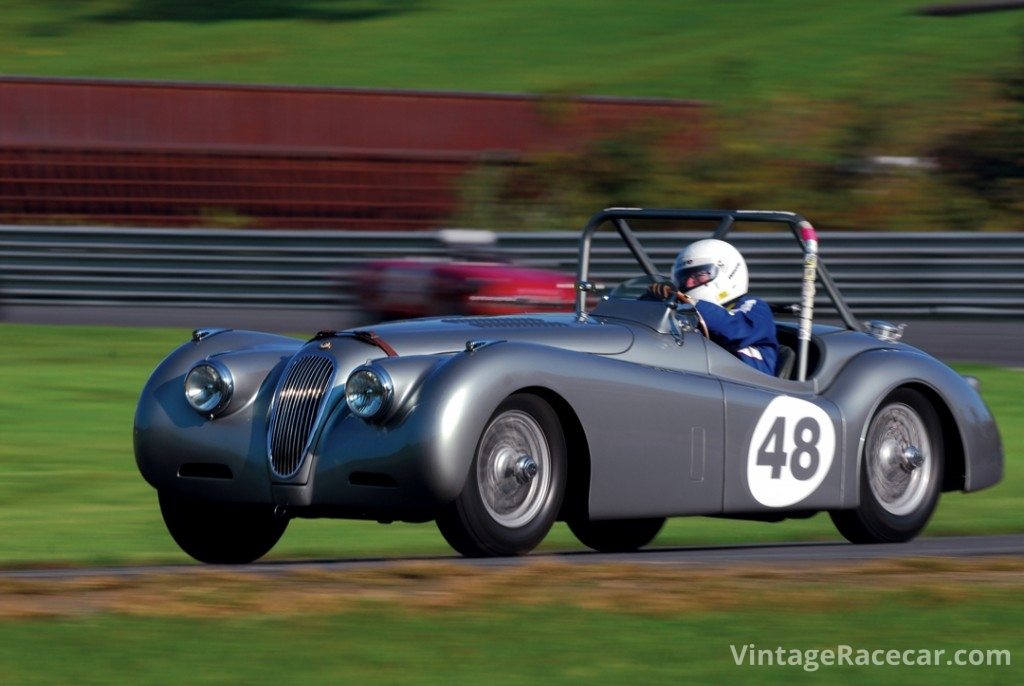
[(513, 469), (897, 452), (911, 458), (525, 469)]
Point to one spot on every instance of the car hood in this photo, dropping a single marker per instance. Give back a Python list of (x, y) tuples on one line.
[(447, 334)]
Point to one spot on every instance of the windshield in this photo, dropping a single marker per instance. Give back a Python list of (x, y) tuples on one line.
[(631, 289)]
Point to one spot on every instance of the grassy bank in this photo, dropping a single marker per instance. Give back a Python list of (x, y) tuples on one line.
[(537, 623), (71, 492), (727, 52)]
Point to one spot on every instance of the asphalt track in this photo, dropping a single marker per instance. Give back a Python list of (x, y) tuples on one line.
[(782, 554), (995, 342)]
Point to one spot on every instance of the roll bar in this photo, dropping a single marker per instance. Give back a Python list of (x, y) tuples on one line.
[(801, 229)]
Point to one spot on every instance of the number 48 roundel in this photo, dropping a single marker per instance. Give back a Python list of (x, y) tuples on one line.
[(790, 452)]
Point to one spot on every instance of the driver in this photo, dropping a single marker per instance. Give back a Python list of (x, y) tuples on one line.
[(712, 276)]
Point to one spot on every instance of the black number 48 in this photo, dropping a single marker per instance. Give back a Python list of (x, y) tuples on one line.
[(772, 452)]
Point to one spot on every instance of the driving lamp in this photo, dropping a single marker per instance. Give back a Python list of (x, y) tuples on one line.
[(368, 392), (208, 388)]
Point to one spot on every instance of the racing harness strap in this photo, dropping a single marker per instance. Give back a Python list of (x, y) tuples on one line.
[(372, 338)]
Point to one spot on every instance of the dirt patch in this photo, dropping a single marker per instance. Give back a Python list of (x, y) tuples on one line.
[(443, 586)]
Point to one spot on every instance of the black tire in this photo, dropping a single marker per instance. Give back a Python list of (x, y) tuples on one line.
[(886, 514), (616, 535), (219, 533), (487, 519)]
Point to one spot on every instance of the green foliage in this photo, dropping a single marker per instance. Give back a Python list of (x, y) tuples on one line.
[(820, 158), (984, 156)]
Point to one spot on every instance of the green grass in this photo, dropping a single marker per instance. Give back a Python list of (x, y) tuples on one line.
[(727, 52), (509, 642), (71, 493)]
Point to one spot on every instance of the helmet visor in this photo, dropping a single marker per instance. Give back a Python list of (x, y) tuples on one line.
[(695, 275)]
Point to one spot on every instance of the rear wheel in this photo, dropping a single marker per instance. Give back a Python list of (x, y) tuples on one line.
[(515, 484), (616, 535), (221, 533), (901, 472)]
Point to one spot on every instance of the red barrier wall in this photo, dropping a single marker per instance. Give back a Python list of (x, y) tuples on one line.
[(178, 154)]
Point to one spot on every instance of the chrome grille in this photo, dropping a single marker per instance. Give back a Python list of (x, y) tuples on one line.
[(296, 408)]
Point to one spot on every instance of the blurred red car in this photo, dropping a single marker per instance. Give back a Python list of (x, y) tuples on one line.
[(403, 288), (468, 281)]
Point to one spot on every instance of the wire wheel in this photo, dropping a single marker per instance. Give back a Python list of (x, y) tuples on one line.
[(515, 485), (513, 469), (899, 460), (901, 472)]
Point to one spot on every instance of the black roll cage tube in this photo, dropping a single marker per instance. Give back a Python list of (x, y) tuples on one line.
[(619, 216)]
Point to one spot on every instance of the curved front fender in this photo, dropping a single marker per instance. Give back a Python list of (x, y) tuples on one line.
[(168, 433), (870, 377), (428, 442)]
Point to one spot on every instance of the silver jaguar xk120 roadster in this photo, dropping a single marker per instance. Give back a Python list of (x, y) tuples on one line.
[(611, 419)]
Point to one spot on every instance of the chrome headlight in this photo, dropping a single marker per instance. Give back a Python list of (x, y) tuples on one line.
[(208, 387), (368, 392)]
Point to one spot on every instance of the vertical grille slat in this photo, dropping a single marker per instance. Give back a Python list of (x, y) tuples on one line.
[(305, 411), (300, 393), (318, 379), (286, 425), (298, 403)]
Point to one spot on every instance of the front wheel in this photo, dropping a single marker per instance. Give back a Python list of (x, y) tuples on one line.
[(616, 535), (221, 533), (515, 485), (900, 475)]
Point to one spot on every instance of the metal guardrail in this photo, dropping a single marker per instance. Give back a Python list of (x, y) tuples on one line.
[(879, 273)]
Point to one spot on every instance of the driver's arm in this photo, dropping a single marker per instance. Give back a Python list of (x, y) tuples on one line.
[(749, 323)]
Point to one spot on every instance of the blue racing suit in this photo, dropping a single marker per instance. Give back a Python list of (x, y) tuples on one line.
[(746, 328)]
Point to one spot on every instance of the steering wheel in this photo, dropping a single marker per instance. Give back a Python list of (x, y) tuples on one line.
[(701, 325), (672, 300)]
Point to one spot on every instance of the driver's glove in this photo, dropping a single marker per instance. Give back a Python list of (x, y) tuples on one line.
[(661, 290)]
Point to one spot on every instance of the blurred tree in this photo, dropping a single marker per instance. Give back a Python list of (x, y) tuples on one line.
[(986, 156), (835, 161)]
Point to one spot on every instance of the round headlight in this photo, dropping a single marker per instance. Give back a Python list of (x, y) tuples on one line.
[(208, 388), (368, 392)]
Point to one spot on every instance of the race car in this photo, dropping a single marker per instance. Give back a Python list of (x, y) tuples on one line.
[(612, 417), (467, 281), (423, 287)]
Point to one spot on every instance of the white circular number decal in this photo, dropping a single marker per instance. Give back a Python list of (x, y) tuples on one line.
[(790, 453)]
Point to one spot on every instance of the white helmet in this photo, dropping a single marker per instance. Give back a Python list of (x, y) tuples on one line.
[(716, 271)]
